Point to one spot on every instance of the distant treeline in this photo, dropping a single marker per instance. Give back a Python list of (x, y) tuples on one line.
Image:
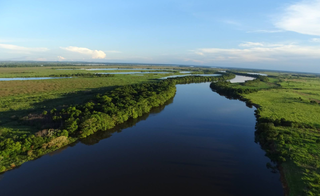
[(88, 75), (246, 74), (224, 88), (197, 79)]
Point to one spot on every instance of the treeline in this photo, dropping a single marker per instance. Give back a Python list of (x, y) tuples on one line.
[(197, 79), (88, 75), (224, 88), (244, 74), (114, 107)]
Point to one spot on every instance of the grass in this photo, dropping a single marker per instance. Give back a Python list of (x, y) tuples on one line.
[(291, 101), (20, 98), (283, 103), (293, 175)]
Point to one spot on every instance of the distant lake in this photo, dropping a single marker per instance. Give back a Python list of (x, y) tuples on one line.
[(134, 72), (35, 78), (199, 143), (176, 76), (97, 69), (240, 79)]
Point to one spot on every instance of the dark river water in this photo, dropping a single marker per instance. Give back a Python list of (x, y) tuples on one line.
[(199, 143)]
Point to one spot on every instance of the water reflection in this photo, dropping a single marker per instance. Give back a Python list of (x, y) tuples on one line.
[(241, 79), (98, 136)]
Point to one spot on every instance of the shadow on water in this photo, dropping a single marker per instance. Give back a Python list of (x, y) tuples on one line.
[(100, 135)]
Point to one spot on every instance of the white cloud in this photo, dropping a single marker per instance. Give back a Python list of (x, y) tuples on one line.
[(21, 48), (302, 17), (315, 40), (265, 31), (258, 52), (251, 44), (95, 54), (61, 58)]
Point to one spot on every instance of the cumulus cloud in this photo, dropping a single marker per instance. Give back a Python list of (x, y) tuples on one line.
[(302, 17), (61, 58), (21, 48), (95, 54), (258, 52)]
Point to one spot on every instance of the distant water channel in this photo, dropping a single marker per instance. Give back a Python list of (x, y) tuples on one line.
[(146, 72), (35, 78), (199, 143), (177, 76), (109, 69)]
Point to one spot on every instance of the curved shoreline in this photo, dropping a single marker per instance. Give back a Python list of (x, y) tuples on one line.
[(234, 95)]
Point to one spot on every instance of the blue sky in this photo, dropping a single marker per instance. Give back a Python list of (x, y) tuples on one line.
[(270, 34)]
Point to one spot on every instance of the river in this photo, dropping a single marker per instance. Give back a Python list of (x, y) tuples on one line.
[(199, 143)]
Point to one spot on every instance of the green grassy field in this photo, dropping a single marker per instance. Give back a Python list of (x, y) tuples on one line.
[(21, 98)]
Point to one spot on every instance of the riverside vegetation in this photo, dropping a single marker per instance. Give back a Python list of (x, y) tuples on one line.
[(20, 142), (288, 124)]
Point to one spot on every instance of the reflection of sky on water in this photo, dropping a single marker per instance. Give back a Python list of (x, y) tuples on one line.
[(240, 79)]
